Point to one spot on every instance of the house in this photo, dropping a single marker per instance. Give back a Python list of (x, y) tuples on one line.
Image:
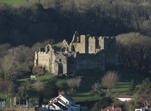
[(2, 103), (142, 109), (124, 98), (63, 102), (113, 108)]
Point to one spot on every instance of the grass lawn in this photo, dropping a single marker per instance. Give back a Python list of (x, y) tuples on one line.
[(122, 87), (45, 78), (9, 2), (79, 97)]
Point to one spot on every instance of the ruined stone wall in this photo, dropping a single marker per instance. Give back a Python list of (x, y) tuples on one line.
[(90, 61), (101, 42), (91, 45), (81, 46), (109, 43), (43, 60), (111, 55), (90, 52), (60, 64)]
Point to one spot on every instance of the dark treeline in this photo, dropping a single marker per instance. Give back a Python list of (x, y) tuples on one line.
[(24, 29), (51, 19)]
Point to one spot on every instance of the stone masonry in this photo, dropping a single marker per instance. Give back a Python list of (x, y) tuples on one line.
[(84, 52)]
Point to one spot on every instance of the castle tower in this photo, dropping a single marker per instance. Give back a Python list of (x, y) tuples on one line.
[(107, 43)]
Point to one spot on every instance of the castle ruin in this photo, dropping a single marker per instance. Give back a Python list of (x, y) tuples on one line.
[(82, 53)]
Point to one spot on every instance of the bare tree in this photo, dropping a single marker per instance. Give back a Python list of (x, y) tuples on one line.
[(17, 62), (7, 87), (10, 67), (134, 51), (74, 83), (27, 84), (95, 88), (110, 79), (39, 85)]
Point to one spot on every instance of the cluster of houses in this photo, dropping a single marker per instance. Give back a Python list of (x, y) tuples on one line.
[(113, 108), (64, 102)]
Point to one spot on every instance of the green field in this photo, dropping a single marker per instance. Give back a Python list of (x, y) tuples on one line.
[(122, 87), (9, 2)]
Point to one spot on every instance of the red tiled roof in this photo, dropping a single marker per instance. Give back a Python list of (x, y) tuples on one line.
[(112, 109)]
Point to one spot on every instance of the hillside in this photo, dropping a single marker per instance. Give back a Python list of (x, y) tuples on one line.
[(27, 25), (31, 23)]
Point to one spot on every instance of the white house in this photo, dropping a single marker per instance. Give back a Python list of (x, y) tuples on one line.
[(63, 102), (142, 109), (124, 98)]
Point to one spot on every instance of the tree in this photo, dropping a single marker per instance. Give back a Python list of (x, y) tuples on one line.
[(22, 95), (110, 79), (50, 89), (102, 103), (27, 84), (134, 51), (39, 86), (10, 68), (132, 87), (143, 94), (96, 88), (7, 87), (17, 62), (146, 85), (74, 83)]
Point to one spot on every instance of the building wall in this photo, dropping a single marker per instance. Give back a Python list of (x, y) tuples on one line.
[(91, 45), (90, 61), (60, 64), (45, 59), (101, 42), (80, 45)]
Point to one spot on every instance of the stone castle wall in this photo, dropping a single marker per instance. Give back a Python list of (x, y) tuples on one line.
[(45, 59), (84, 52)]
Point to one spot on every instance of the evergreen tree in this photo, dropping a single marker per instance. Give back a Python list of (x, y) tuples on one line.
[(132, 87), (102, 103)]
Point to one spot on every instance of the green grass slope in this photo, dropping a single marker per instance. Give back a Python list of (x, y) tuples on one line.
[(10, 2)]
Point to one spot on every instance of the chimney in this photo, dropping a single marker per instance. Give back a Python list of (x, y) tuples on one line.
[(113, 106), (146, 107), (61, 92)]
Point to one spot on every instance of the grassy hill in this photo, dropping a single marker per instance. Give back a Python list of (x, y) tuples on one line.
[(88, 79)]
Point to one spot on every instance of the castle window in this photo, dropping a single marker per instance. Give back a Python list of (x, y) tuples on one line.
[(97, 44), (48, 48), (59, 60)]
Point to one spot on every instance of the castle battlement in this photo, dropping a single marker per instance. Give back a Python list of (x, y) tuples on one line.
[(93, 38)]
